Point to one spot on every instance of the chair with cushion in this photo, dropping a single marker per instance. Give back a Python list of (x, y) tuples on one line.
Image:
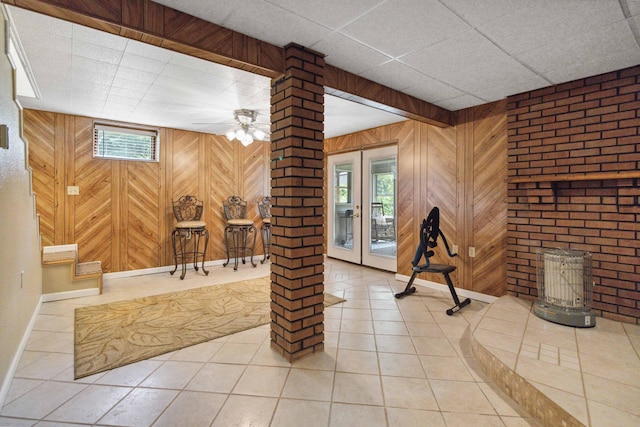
[(188, 232), (382, 227), (239, 233), (264, 207), (429, 233)]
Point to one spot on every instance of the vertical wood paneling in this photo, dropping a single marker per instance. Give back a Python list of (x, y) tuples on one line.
[(59, 183)]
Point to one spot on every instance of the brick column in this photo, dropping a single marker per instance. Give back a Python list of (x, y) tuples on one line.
[(297, 161)]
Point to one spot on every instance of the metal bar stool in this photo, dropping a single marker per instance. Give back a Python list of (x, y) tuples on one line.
[(240, 230), (188, 211), (264, 207)]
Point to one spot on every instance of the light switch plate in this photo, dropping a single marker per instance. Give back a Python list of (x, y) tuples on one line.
[(73, 190), (472, 251)]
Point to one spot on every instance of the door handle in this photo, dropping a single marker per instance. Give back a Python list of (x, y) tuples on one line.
[(356, 215)]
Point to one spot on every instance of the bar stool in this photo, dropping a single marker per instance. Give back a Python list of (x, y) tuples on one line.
[(189, 227), (240, 230), (264, 207)]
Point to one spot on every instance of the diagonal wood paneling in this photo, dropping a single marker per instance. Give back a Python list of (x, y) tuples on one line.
[(93, 207), (142, 222), (254, 173), (220, 154), (407, 171), (41, 136), (490, 198)]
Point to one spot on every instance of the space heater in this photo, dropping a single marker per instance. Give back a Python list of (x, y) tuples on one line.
[(565, 288)]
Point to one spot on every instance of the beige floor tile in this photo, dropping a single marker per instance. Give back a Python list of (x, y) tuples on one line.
[(502, 404), (356, 361), (197, 353), (357, 388), (604, 415), (356, 313), (290, 412), (309, 384), (40, 401), (445, 368), (139, 408), (47, 367), (550, 375), (251, 411), (496, 339), (262, 381), (356, 326), (400, 365), (394, 344), (235, 353), (475, 420), (20, 386), (324, 360), (364, 342), (191, 409), (460, 396), (410, 393), (428, 346), (268, 356), (349, 415), (414, 417), (90, 405), (391, 315), (53, 323), (130, 375), (15, 422), (519, 421), (384, 327), (172, 374), (425, 329), (53, 342), (613, 393), (573, 404), (216, 377)]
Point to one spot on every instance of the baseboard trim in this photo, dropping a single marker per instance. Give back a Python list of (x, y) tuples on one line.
[(60, 248), (58, 296), (6, 383), (440, 287), (144, 271)]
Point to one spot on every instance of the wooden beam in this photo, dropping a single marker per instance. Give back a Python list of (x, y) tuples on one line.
[(346, 85), (153, 23)]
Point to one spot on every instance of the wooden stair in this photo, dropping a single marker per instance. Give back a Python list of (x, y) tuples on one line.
[(64, 276)]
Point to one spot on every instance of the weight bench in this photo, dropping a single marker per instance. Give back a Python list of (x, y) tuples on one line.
[(429, 232)]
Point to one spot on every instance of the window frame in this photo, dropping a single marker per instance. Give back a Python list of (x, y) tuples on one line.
[(117, 128)]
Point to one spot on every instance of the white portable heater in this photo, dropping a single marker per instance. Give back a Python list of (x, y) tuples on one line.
[(564, 287)]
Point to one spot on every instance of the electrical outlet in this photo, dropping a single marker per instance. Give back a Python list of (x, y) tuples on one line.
[(454, 249), (73, 190), (472, 251)]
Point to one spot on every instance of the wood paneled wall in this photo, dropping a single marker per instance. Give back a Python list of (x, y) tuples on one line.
[(460, 169), (123, 215)]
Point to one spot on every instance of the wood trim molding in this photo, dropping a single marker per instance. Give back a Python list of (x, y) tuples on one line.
[(346, 85), (153, 23)]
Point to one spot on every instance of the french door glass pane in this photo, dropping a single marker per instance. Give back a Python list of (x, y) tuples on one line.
[(343, 206), (382, 187)]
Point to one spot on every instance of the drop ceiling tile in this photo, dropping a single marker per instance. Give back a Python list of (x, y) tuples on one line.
[(352, 56), (148, 51), (98, 68), (212, 11), (423, 23), (333, 14), (136, 75), (122, 100), (133, 85), (510, 86), (274, 25), (480, 12), (401, 77), (138, 62), (90, 91), (544, 22), (595, 67), (98, 38), (99, 53), (467, 62), (117, 91), (634, 7), (460, 102), (573, 51), (40, 24)]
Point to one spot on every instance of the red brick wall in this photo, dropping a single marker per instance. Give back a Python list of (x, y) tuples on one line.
[(564, 144)]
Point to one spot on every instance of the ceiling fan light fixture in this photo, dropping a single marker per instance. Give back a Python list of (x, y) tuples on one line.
[(258, 134), (230, 135), (246, 140), (246, 131)]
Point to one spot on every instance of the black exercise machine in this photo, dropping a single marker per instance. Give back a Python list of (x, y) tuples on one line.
[(429, 232)]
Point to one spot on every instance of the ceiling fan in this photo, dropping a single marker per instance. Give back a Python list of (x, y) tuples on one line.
[(246, 130)]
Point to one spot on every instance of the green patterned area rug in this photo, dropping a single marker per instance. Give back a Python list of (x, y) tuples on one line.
[(111, 335)]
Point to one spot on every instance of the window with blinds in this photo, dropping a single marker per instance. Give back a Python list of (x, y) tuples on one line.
[(112, 142)]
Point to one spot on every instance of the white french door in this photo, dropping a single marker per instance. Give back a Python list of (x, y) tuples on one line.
[(362, 207)]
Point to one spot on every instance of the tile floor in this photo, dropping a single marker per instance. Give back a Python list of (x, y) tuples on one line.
[(386, 362), (592, 373)]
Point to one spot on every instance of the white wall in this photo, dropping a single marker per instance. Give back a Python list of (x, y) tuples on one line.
[(19, 240)]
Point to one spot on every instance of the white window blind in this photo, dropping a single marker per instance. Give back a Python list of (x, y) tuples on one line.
[(125, 143)]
